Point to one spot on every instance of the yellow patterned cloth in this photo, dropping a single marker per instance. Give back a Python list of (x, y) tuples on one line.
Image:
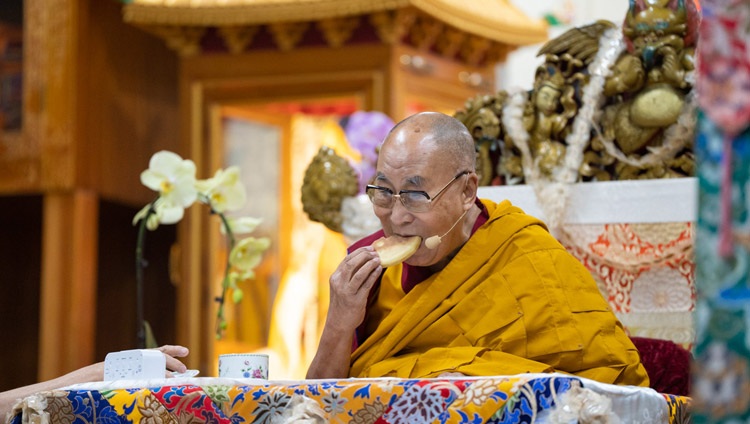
[(526, 398)]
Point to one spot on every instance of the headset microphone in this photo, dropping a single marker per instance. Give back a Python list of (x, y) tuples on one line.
[(434, 241)]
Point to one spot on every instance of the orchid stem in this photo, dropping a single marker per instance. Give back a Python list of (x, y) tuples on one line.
[(139, 265), (220, 320)]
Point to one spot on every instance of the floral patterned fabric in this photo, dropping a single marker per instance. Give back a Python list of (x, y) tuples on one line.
[(646, 272), (525, 398)]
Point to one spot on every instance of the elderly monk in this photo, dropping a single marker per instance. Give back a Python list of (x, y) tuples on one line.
[(496, 295)]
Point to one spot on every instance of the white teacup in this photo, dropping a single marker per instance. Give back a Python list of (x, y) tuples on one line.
[(243, 365)]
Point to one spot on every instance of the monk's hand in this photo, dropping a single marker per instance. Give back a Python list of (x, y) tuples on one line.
[(350, 286)]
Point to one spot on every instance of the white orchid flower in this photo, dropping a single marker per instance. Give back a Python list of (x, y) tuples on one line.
[(236, 277), (174, 179), (225, 191), (168, 212), (161, 211), (241, 275), (152, 222), (242, 225), (246, 254)]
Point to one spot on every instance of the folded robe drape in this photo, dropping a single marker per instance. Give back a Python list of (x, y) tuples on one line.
[(512, 300)]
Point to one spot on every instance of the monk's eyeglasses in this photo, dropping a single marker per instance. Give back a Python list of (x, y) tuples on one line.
[(413, 200)]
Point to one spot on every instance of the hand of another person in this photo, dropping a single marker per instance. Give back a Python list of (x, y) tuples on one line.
[(87, 374), (171, 353), (95, 372), (350, 287)]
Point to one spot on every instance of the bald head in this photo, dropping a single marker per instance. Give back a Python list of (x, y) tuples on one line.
[(447, 135)]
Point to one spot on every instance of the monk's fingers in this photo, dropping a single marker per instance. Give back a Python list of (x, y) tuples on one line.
[(366, 276), (352, 271), (358, 258)]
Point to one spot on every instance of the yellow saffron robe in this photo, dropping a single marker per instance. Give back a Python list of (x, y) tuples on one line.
[(512, 301)]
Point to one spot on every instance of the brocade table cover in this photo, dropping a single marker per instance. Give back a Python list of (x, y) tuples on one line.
[(526, 398)]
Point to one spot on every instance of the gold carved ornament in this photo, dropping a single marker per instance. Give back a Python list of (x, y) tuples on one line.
[(644, 121), (329, 179)]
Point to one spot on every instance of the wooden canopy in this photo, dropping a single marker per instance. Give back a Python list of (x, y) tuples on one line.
[(495, 23)]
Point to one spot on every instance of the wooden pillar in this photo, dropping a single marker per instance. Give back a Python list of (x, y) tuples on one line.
[(68, 291), (52, 110)]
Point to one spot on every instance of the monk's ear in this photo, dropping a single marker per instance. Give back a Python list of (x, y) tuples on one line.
[(470, 189)]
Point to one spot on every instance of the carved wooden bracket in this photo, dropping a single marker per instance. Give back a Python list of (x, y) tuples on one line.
[(237, 38), (338, 31), (425, 32), (391, 26), (185, 40), (475, 49), (288, 34), (449, 41)]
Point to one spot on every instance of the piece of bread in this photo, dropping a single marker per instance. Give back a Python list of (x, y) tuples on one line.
[(395, 249)]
